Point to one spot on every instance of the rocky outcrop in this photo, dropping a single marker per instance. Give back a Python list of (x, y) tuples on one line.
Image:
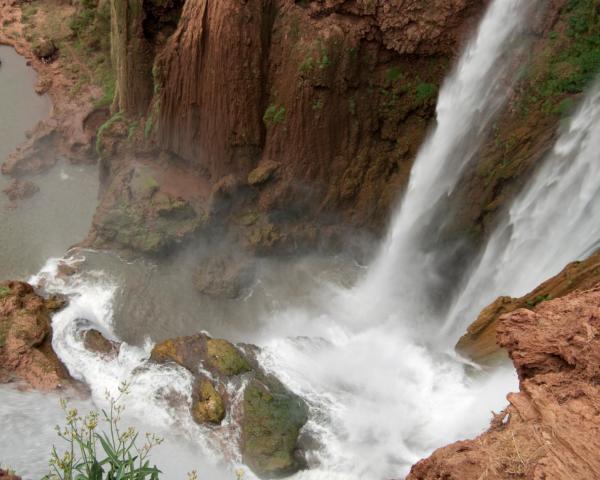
[(8, 475), (20, 190), (271, 416), (550, 428), (137, 213), (479, 343), (26, 338), (306, 109)]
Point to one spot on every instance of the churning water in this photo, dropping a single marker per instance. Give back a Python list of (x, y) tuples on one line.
[(372, 359)]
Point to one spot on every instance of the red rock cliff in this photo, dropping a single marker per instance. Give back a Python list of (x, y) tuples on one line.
[(551, 428), (331, 99)]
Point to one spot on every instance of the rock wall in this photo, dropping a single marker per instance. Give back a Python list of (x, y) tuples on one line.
[(479, 342), (332, 98), (550, 428)]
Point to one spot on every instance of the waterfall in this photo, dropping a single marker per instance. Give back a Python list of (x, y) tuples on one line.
[(380, 398), (468, 101), (554, 221)]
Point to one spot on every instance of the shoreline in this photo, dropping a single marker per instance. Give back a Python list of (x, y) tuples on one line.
[(64, 131)]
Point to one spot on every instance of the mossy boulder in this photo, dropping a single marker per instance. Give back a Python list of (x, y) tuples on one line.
[(225, 358), (137, 215), (271, 417), (271, 423), (220, 357), (209, 406)]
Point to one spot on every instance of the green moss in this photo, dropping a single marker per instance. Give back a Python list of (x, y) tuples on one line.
[(226, 358), (425, 92), (272, 421), (573, 57), (274, 114), (393, 74), (103, 128), (210, 407), (4, 291)]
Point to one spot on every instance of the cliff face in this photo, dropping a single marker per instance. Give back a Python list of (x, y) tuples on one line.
[(330, 99), (479, 342), (550, 428)]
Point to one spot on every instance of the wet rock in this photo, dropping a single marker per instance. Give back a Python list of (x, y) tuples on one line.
[(550, 428), (271, 424), (271, 416), (224, 277), (220, 357), (54, 303), (20, 190), (209, 406), (137, 215), (46, 50), (479, 342), (262, 173), (26, 338), (95, 342)]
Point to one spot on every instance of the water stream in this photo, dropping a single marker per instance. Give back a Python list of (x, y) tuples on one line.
[(363, 348)]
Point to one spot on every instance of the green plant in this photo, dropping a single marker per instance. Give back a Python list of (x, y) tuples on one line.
[(103, 128), (537, 300), (307, 64), (274, 114), (392, 74), (425, 91), (4, 291), (94, 455)]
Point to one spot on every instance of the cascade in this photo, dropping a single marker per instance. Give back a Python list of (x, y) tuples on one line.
[(554, 221)]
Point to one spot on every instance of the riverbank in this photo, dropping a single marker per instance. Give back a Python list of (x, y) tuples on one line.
[(41, 33)]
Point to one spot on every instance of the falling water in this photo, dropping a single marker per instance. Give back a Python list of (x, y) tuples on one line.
[(556, 220), (468, 101), (380, 398)]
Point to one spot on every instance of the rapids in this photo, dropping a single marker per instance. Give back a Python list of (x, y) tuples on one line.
[(362, 347)]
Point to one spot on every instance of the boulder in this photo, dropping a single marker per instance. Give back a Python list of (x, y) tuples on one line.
[(209, 406), (224, 276), (26, 338), (262, 173), (219, 357), (271, 417), (95, 342), (271, 423)]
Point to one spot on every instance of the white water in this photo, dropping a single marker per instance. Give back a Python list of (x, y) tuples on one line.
[(381, 398), (556, 220), (468, 101)]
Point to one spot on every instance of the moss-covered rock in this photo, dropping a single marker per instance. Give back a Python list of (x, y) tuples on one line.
[(137, 215), (271, 424), (220, 357), (209, 406), (226, 358)]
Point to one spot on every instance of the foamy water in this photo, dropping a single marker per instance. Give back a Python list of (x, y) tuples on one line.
[(373, 361)]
